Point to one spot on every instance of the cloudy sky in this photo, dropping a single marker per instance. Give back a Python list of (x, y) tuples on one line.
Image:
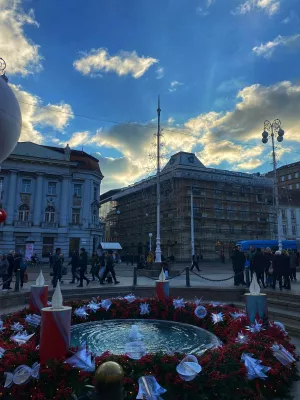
[(89, 74)]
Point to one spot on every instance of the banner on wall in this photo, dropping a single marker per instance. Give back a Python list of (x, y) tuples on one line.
[(28, 251)]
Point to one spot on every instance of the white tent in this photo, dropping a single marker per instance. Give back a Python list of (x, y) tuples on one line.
[(110, 246)]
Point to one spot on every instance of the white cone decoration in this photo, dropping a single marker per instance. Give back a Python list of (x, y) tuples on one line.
[(57, 299), (162, 276), (254, 286), (134, 334), (40, 281)]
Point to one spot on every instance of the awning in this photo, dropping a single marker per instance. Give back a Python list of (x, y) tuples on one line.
[(110, 246)]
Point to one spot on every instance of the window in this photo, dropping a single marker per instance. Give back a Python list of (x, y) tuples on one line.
[(283, 213), (297, 174), (48, 244), (75, 216), (77, 189), (293, 216), (96, 191), (231, 229), (26, 186), (50, 214), (289, 176), (290, 187), (23, 213), (294, 230), (284, 229), (95, 216), (52, 188), (282, 178), (297, 185)]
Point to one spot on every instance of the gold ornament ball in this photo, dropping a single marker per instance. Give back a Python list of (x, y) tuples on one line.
[(109, 374)]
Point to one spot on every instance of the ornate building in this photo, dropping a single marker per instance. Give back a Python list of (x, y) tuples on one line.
[(228, 206), (51, 194), (288, 176)]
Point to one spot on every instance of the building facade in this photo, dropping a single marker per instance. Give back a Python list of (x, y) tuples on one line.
[(52, 195), (288, 176), (228, 206), (289, 203)]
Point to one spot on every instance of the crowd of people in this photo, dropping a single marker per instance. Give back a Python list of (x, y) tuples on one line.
[(9, 264), (271, 267), (102, 267)]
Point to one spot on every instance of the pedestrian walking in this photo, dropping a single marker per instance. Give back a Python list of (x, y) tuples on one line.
[(109, 268), (260, 264), (269, 270), (83, 261), (58, 261), (4, 266), (293, 265), (195, 263), (238, 265), (278, 266), (286, 271), (10, 259), (74, 266), (95, 263)]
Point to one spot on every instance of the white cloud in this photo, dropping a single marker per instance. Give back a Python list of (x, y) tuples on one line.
[(160, 73), (231, 85), (270, 7), (250, 164), (20, 53), (171, 121), (125, 63), (210, 3), (33, 116), (77, 139), (266, 50), (202, 11), (174, 85)]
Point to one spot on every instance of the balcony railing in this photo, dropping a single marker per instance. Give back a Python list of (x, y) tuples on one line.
[(96, 225), (23, 224), (49, 225)]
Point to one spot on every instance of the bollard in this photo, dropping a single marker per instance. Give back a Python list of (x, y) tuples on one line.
[(187, 277), (17, 284), (109, 379), (247, 277), (134, 276)]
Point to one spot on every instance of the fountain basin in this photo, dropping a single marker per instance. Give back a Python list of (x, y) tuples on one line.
[(158, 336)]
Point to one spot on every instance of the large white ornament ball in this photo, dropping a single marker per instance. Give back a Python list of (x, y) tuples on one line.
[(10, 120)]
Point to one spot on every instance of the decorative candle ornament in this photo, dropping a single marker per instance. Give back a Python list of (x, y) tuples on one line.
[(256, 302), (38, 294), (162, 286), (55, 328), (57, 299)]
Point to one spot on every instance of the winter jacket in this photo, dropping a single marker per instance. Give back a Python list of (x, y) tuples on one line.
[(4, 265), (260, 263)]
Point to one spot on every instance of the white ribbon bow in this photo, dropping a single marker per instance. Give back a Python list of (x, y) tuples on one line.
[(188, 368), (22, 375)]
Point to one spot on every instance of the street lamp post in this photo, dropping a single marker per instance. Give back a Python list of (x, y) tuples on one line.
[(192, 224), (158, 248), (150, 242), (270, 129)]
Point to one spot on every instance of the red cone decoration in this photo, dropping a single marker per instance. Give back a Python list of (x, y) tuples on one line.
[(3, 215)]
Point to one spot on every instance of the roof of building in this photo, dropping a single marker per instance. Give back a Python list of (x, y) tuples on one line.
[(108, 195), (287, 166), (183, 159)]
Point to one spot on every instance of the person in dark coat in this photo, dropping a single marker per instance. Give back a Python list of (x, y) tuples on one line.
[(74, 266), (269, 267), (4, 265), (293, 265), (238, 265), (10, 259), (260, 263), (109, 268), (278, 266), (286, 271), (58, 261), (83, 262)]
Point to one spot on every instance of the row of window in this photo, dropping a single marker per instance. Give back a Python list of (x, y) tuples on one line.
[(284, 214), (294, 230), (290, 176), (52, 188), (50, 214)]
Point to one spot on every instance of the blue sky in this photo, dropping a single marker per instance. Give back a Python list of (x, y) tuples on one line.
[(220, 67)]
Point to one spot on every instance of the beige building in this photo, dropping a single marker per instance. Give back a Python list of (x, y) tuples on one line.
[(288, 176), (228, 206)]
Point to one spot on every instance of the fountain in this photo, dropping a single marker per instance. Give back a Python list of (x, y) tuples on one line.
[(157, 336)]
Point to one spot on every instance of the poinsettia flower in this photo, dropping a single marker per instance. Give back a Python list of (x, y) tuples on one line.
[(219, 317)]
